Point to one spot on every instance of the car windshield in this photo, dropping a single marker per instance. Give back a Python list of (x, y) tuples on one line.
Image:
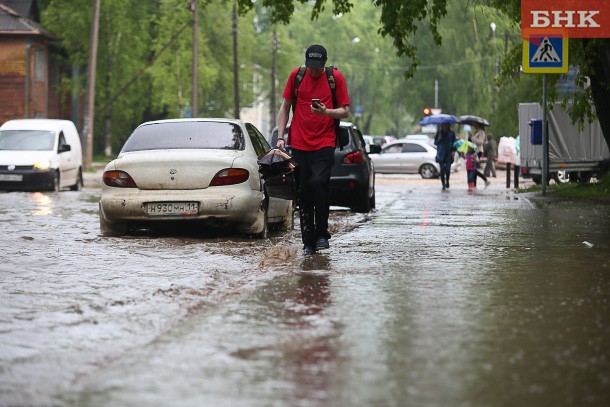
[(186, 135), (27, 140)]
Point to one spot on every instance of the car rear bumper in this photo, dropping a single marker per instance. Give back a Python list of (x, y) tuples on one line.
[(225, 204), (26, 180), (348, 189)]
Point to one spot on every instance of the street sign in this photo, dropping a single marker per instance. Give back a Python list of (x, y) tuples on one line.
[(578, 18), (545, 52)]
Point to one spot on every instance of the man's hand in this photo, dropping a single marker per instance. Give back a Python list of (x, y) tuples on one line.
[(319, 109), (281, 143)]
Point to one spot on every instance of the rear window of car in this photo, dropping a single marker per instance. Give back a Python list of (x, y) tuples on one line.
[(186, 135), (27, 140)]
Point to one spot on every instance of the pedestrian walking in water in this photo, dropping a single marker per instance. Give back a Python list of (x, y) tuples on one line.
[(479, 138), (313, 140), (471, 167), (444, 141), (490, 149)]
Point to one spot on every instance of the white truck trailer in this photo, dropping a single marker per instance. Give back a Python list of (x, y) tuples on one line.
[(573, 155)]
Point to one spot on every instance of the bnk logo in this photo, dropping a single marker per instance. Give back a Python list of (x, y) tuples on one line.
[(564, 19)]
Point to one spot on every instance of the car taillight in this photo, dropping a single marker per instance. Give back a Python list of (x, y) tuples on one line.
[(119, 179), (353, 158), (230, 176)]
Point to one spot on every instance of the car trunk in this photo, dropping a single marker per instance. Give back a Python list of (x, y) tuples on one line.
[(175, 169)]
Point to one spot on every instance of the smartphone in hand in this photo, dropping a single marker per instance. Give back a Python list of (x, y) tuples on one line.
[(315, 103)]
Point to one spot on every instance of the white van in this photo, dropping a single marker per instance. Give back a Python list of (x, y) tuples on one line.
[(40, 155)]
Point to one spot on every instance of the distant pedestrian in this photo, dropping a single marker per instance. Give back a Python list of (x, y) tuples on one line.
[(479, 137), (444, 141), (471, 167), (490, 149)]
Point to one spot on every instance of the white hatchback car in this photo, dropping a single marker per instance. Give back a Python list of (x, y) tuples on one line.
[(195, 170), (407, 157)]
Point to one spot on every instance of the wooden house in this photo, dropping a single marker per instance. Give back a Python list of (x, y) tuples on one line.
[(30, 67)]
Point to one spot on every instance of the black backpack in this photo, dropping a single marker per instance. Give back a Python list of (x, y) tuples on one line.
[(342, 138)]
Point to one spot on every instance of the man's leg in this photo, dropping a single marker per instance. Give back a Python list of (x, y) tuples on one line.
[(305, 196), (321, 165)]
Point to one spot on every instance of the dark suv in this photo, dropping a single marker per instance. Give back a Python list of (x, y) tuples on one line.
[(352, 179)]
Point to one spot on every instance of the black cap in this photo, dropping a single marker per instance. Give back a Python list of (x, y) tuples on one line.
[(315, 56)]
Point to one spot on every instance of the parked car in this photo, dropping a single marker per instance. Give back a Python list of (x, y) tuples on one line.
[(352, 178), (382, 141), (190, 170), (40, 155), (407, 157), (428, 138)]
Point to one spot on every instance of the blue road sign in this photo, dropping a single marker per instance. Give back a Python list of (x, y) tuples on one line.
[(545, 53)]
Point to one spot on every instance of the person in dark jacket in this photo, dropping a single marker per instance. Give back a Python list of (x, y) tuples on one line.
[(444, 141)]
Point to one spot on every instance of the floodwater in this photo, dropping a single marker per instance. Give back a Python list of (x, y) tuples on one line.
[(434, 299)]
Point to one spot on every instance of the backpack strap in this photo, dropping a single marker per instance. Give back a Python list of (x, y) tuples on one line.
[(342, 141), (297, 83)]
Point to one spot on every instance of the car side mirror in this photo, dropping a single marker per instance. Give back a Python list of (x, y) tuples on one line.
[(374, 149), (64, 148)]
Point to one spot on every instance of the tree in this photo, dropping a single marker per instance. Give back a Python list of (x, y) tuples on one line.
[(401, 20)]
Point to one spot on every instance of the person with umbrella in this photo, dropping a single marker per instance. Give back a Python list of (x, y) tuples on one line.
[(444, 141)]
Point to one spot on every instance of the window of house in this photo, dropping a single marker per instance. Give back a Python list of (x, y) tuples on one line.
[(39, 65)]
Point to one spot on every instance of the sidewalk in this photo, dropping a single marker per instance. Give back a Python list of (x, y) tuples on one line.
[(93, 179)]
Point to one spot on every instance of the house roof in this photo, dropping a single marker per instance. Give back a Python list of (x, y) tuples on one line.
[(12, 22)]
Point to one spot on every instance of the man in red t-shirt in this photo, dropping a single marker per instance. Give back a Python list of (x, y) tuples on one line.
[(313, 138)]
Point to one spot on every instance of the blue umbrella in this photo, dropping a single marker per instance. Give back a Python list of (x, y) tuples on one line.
[(439, 119)]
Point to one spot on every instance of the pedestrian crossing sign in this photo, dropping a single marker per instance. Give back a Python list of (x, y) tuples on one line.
[(545, 52)]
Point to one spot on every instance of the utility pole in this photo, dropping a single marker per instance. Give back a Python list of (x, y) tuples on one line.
[(235, 62), (272, 107), (195, 90), (90, 116)]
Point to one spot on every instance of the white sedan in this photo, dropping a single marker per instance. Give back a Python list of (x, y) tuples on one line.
[(407, 157), (196, 170)]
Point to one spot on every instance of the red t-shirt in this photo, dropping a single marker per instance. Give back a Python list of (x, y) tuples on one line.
[(310, 131)]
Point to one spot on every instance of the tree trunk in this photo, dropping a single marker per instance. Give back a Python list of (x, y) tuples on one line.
[(600, 83)]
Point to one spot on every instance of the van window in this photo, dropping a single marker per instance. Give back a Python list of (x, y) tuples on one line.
[(62, 141), (27, 140)]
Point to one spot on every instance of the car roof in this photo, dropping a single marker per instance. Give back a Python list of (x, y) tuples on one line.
[(196, 119), (35, 124), (402, 141)]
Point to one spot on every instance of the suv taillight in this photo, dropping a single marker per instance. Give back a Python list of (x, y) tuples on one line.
[(353, 158)]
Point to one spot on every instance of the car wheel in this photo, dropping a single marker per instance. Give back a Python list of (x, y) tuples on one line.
[(537, 179), (372, 201), (561, 177), (79, 181), (427, 171), (54, 182), (364, 204)]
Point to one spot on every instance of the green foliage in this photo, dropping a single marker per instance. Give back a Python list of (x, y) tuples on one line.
[(145, 58)]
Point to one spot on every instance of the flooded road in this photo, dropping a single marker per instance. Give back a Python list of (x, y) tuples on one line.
[(434, 299)]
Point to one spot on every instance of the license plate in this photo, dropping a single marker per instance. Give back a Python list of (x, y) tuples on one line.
[(172, 208), (11, 177)]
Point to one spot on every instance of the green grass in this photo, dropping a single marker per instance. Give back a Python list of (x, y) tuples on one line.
[(577, 191)]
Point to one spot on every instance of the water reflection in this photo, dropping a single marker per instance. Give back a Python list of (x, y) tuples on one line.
[(43, 204)]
